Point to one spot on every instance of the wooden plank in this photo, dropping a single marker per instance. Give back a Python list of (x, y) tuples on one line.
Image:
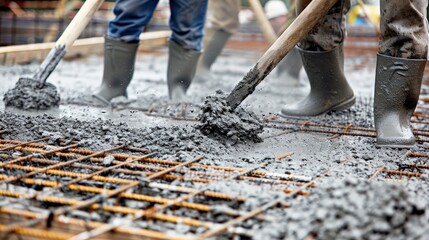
[(82, 47), (53, 4)]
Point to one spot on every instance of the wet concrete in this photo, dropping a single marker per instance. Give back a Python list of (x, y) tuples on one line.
[(313, 153), (27, 94), (354, 209), (218, 120)]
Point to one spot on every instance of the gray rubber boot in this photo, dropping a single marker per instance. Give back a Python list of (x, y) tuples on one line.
[(119, 61), (329, 87), (182, 64), (290, 67), (214, 46), (397, 88)]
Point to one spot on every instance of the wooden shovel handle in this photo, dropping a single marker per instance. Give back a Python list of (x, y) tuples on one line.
[(78, 24), (293, 34)]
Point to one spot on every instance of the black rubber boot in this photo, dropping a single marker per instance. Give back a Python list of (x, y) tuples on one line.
[(182, 64), (214, 46), (397, 88), (329, 87), (119, 61)]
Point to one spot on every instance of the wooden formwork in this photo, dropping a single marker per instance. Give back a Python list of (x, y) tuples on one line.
[(83, 47)]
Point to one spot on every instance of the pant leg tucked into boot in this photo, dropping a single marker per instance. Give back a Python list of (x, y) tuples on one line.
[(119, 61)]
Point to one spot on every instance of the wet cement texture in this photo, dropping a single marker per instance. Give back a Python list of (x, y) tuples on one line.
[(339, 204), (28, 95), (99, 134), (354, 209), (219, 121)]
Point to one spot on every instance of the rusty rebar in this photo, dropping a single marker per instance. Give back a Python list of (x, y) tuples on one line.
[(263, 208), (115, 192), (165, 162), (24, 144), (109, 227), (404, 173), (92, 224), (62, 164), (125, 181)]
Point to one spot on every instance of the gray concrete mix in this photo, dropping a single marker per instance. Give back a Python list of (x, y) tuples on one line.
[(344, 205), (27, 94)]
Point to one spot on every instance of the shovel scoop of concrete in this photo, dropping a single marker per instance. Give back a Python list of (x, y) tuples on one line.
[(217, 120), (28, 95)]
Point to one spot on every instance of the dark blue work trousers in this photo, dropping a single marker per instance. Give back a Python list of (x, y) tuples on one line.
[(186, 21)]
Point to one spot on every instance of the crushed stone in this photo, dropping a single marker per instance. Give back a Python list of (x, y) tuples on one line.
[(354, 209), (28, 95), (100, 134)]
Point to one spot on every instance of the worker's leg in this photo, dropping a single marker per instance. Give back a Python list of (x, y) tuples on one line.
[(222, 22), (323, 60), (187, 24), (121, 45), (130, 18), (400, 66), (289, 68)]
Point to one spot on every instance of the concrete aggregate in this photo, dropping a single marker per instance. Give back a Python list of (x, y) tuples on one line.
[(28, 95), (342, 203), (220, 122), (354, 209)]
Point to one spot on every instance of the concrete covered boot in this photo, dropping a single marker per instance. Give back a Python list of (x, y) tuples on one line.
[(213, 48), (119, 61), (397, 89), (182, 64), (329, 87)]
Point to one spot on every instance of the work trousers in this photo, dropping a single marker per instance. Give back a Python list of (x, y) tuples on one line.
[(186, 21), (223, 15), (403, 28)]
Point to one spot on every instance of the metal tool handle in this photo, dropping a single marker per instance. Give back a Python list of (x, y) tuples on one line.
[(294, 33)]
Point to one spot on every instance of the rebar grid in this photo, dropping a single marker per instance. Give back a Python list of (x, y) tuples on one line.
[(405, 171), (45, 166), (420, 118), (422, 135)]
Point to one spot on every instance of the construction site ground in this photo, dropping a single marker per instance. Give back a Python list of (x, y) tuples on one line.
[(310, 178)]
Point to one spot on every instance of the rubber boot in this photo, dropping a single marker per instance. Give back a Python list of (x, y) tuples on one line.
[(329, 87), (397, 88), (119, 61), (213, 48), (182, 64), (289, 68)]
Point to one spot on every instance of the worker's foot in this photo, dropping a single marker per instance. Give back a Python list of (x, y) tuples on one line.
[(203, 75), (178, 94), (314, 106), (88, 100), (214, 43), (289, 68), (182, 64), (397, 89), (329, 87), (119, 60)]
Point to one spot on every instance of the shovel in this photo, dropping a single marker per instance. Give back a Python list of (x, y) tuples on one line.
[(69, 36), (302, 25), (35, 93)]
